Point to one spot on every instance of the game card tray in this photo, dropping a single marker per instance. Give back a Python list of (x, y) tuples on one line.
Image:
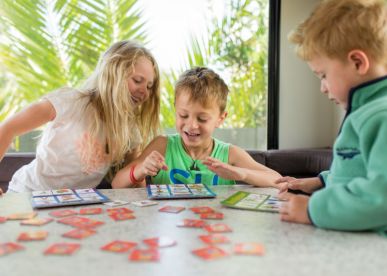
[(66, 197), (253, 201), (179, 191)]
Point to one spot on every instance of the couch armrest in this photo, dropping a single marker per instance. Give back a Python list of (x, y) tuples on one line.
[(299, 162), (10, 164)]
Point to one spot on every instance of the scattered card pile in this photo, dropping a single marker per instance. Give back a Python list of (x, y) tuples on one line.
[(149, 249)]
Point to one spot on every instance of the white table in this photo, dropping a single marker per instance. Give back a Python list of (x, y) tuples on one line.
[(291, 249)]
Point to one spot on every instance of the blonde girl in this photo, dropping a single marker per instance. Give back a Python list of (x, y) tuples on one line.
[(100, 126)]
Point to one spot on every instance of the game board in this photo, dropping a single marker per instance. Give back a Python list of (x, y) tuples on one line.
[(66, 197), (179, 191), (252, 201)]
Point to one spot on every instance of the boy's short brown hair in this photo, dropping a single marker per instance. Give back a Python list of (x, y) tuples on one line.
[(204, 86), (338, 26)]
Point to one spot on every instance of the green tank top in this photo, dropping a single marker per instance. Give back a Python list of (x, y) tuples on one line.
[(179, 163)]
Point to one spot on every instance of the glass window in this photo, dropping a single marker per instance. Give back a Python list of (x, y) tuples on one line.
[(58, 44)]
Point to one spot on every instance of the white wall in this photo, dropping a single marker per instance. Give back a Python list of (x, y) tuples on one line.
[(307, 118)]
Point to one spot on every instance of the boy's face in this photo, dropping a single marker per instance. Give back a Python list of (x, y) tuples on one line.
[(196, 123), (337, 78)]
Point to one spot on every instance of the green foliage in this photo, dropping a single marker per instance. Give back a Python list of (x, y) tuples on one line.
[(236, 48), (45, 45)]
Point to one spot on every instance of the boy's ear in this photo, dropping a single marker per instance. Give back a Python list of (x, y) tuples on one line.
[(360, 60), (221, 119)]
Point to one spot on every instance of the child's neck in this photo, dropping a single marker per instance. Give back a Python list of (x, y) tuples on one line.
[(197, 153)]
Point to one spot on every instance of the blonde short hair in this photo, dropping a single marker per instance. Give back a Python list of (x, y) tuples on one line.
[(338, 26), (204, 86)]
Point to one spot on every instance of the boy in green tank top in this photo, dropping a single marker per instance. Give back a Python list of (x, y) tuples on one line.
[(193, 155)]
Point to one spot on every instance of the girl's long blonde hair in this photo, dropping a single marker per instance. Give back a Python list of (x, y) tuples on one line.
[(110, 109)]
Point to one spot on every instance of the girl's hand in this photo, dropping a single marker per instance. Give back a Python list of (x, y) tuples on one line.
[(1, 192), (224, 170), (295, 209), (152, 164), (307, 185)]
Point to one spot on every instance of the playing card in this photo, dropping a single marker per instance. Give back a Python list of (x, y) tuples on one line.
[(80, 222), (62, 192), (42, 193), (85, 191), (118, 210), (119, 246), (3, 219), (62, 249), (210, 253), (116, 202), (68, 198), (171, 209), (9, 247), (33, 236), (121, 216), (194, 223), (90, 211), (36, 221), (211, 216), (144, 203), (79, 233), (214, 238), (249, 248), (160, 242), (218, 228), (149, 255), (62, 213), (21, 216), (202, 210)]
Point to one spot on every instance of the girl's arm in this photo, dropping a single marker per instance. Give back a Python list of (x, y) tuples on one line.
[(26, 120), (149, 162), (242, 167)]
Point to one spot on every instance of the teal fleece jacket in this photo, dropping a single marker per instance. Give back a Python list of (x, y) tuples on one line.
[(355, 193)]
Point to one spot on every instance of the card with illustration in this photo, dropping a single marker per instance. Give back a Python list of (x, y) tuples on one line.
[(22, 216), (171, 209), (79, 233), (253, 201), (160, 242), (62, 249), (210, 253), (214, 238), (36, 221), (119, 246), (33, 236), (144, 203), (179, 191), (145, 255), (66, 197), (9, 247), (249, 248)]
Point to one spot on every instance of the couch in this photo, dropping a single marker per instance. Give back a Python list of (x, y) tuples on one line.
[(292, 162)]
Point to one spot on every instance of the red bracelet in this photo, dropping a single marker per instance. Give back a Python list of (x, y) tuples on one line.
[(131, 176)]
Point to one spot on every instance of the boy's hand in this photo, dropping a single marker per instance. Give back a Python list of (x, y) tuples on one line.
[(307, 185), (152, 164), (295, 209), (224, 170), (1, 192)]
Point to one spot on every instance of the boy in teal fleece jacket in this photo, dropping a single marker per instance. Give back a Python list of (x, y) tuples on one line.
[(344, 42)]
